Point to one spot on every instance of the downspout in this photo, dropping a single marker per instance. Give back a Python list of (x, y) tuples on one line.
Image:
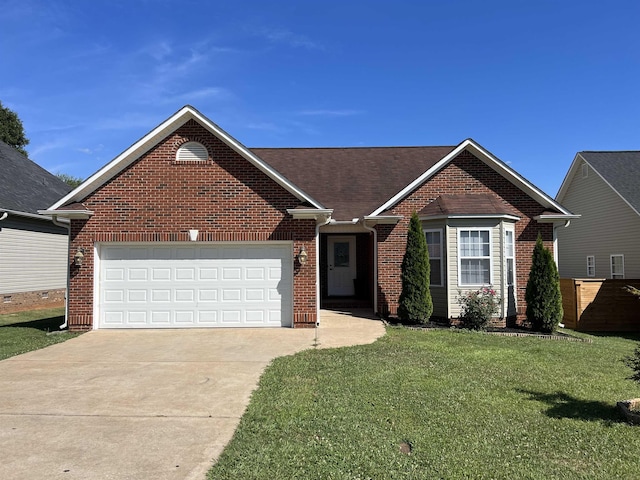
[(4, 216), (375, 265), (55, 221), (556, 227), (318, 225)]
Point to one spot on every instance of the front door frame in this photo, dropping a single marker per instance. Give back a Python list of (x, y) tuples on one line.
[(340, 278)]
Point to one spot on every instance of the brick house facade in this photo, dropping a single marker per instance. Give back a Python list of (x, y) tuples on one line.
[(131, 222)]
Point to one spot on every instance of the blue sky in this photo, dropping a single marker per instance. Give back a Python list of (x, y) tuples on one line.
[(532, 81)]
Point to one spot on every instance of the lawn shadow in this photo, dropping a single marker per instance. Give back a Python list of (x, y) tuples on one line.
[(563, 405), (51, 324)]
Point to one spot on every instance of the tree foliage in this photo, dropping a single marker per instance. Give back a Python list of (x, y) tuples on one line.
[(544, 301), (415, 300), (70, 179), (11, 130)]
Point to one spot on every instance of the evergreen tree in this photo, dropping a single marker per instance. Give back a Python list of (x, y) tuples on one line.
[(544, 301), (11, 130), (69, 179), (415, 299)]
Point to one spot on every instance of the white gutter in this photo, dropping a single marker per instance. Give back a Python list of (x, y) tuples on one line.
[(4, 216), (319, 223), (66, 225)]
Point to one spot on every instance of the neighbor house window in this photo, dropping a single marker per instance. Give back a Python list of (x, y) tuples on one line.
[(591, 266), (617, 266), (585, 170), (434, 244), (474, 248), (510, 256)]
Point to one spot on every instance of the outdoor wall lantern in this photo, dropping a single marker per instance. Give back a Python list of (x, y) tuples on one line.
[(78, 258), (303, 256)]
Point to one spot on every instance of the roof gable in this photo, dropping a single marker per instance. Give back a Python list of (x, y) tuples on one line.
[(620, 170), (489, 159), (146, 143), (25, 186)]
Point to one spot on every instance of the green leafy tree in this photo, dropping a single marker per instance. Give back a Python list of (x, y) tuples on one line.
[(11, 130), (415, 299), (544, 300), (70, 179)]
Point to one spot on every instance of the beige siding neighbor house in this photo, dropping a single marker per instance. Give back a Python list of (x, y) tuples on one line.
[(603, 188)]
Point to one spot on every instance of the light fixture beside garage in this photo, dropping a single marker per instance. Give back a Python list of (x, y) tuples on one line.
[(78, 258), (193, 235), (303, 256)]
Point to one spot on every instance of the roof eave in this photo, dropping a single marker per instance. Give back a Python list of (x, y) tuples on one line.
[(504, 216), (37, 216), (555, 218), (310, 213), (383, 219), (75, 214)]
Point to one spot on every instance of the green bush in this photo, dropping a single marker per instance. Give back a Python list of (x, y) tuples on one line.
[(478, 307), (415, 304), (544, 300), (633, 362)]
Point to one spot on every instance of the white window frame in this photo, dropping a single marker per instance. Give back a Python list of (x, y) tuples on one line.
[(591, 266), (611, 257), (441, 258), (511, 256), (460, 258)]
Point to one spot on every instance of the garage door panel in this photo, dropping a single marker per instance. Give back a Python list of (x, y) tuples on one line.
[(204, 285)]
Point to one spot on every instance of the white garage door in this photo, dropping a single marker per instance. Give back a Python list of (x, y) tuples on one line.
[(204, 285)]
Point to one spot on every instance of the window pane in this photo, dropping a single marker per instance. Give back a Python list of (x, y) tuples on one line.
[(617, 266), (434, 244), (475, 271), (509, 271), (435, 277), (508, 243)]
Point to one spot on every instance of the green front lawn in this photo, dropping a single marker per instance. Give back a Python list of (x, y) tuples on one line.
[(25, 331), (469, 405)]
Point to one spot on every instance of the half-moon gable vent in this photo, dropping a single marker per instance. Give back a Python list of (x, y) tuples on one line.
[(192, 152)]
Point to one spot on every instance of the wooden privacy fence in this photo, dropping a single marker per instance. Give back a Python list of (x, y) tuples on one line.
[(600, 305)]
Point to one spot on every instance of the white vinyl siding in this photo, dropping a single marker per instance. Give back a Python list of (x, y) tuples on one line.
[(591, 266), (474, 264), (435, 247), (608, 226), (32, 257), (617, 266)]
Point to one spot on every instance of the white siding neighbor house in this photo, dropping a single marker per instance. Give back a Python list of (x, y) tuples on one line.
[(33, 250)]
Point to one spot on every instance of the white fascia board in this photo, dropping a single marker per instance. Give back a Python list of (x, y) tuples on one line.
[(310, 213), (490, 160), (37, 216), (568, 178), (383, 219), (143, 145), (67, 213), (554, 218)]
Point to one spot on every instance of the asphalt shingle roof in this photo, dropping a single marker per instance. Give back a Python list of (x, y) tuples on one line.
[(468, 204), (621, 170), (24, 185), (353, 181)]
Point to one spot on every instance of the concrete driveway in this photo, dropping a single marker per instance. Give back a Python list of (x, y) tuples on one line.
[(152, 404)]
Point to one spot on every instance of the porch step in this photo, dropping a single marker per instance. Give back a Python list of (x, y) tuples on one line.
[(345, 302)]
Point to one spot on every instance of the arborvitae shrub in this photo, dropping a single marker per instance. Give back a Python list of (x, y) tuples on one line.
[(415, 304), (544, 301)]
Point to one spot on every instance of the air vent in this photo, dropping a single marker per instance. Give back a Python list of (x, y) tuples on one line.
[(192, 152)]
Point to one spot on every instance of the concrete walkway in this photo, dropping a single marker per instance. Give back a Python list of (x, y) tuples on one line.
[(144, 404)]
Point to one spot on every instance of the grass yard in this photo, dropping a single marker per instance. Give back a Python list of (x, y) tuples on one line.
[(26, 331), (469, 405)]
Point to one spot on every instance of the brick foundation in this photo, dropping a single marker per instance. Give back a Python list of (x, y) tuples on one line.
[(23, 301)]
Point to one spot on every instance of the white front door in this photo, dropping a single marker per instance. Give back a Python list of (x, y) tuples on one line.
[(341, 256)]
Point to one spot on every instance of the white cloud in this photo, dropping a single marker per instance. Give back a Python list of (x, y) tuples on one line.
[(287, 37)]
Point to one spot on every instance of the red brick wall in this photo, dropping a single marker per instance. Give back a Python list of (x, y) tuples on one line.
[(158, 199), (465, 174), (22, 301)]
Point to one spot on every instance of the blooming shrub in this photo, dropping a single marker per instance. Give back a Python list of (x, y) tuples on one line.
[(478, 307)]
